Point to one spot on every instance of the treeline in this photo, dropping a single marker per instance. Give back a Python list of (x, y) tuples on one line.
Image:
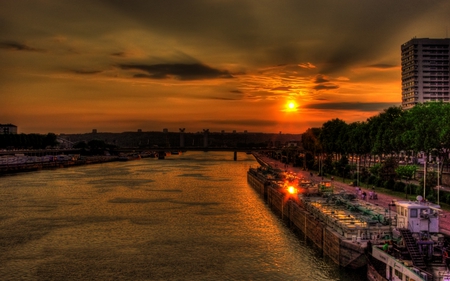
[(28, 141), (379, 144), (95, 147)]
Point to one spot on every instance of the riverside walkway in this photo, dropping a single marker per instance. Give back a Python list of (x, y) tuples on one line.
[(383, 200)]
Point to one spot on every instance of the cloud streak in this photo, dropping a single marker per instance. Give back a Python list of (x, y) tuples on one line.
[(353, 106), (177, 71), (16, 46)]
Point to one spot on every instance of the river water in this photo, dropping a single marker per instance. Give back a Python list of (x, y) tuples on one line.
[(189, 217)]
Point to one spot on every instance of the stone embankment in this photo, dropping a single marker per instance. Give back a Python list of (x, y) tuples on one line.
[(12, 168)]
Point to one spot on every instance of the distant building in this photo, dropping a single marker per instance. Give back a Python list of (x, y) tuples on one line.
[(6, 129), (425, 71), (94, 131)]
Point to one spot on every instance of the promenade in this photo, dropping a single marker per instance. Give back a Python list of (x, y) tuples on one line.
[(383, 199)]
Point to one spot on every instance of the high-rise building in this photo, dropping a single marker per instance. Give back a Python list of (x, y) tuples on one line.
[(425, 71), (6, 129)]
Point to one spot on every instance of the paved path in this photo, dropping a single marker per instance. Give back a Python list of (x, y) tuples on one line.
[(383, 199)]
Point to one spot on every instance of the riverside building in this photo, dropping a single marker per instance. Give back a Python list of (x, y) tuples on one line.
[(6, 129), (425, 71)]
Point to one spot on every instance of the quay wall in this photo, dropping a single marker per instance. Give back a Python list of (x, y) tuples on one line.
[(29, 167)]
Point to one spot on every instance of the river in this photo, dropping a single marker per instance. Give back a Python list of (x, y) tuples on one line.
[(189, 217)]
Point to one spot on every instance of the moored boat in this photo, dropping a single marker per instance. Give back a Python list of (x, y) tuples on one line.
[(416, 250), (337, 223)]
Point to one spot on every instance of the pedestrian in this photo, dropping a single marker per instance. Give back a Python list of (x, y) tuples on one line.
[(364, 194)]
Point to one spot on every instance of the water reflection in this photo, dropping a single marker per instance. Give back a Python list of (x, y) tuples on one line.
[(189, 217)]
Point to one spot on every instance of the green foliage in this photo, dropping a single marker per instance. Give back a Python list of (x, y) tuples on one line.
[(379, 182), (431, 197), (387, 170), (389, 184), (372, 180), (399, 186), (406, 172), (375, 169), (411, 188)]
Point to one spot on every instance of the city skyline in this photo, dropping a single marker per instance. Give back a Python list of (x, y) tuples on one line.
[(256, 66)]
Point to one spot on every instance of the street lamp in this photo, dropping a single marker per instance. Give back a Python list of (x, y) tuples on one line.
[(424, 177), (438, 186)]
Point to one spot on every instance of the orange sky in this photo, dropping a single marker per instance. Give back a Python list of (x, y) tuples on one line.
[(114, 66)]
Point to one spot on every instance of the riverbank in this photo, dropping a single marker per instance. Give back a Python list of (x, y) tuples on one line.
[(54, 164), (383, 200)]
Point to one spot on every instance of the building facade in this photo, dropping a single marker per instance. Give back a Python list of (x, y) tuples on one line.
[(425, 71), (6, 129)]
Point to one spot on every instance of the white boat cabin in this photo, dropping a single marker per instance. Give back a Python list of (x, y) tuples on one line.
[(418, 216)]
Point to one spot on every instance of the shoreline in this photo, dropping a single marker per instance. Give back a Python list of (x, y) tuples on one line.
[(12, 169)]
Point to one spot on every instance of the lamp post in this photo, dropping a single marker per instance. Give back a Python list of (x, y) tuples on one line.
[(438, 186), (357, 172), (424, 177)]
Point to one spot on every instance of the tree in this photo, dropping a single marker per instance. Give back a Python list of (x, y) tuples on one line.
[(50, 140), (406, 172)]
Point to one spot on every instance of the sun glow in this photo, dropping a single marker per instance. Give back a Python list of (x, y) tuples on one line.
[(291, 106)]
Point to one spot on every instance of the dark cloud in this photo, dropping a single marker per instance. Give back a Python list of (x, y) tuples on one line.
[(86, 72), (119, 54), (323, 83), (357, 106), (179, 71), (282, 89), (223, 98), (9, 45), (328, 86), (320, 79), (382, 66), (236, 92)]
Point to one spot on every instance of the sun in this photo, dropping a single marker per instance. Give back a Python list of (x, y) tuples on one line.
[(291, 106)]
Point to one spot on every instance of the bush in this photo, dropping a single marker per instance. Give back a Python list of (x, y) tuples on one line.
[(399, 186), (372, 179), (379, 182), (444, 197), (389, 184), (431, 198), (419, 189), (411, 188)]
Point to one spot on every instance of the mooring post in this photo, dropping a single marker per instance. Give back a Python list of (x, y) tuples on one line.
[(235, 156)]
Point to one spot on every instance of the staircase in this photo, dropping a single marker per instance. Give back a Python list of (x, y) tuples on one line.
[(413, 248)]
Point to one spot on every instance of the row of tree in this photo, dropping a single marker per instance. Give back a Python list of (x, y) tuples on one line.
[(28, 141), (377, 146), (424, 128)]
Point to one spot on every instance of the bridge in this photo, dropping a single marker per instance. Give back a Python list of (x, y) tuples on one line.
[(160, 150), (203, 146)]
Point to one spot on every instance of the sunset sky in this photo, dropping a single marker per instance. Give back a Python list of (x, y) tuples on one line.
[(73, 66)]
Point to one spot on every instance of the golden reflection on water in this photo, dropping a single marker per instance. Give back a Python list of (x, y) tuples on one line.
[(189, 217)]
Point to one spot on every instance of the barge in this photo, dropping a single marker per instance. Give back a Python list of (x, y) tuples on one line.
[(336, 222), (401, 242)]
